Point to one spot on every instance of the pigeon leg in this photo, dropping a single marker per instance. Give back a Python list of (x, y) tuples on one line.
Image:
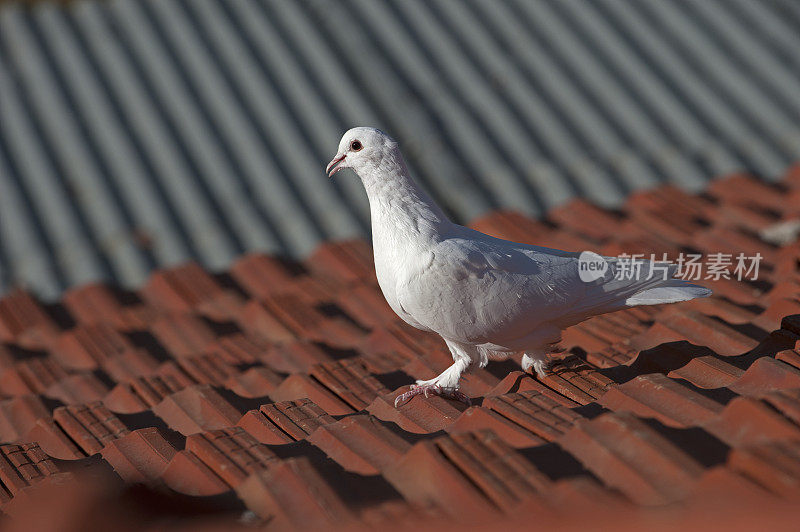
[(431, 389), (541, 363), (445, 385)]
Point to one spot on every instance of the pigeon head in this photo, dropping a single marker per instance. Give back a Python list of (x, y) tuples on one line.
[(363, 149)]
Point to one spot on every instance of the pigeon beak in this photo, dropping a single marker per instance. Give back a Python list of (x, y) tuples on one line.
[(335, 165)]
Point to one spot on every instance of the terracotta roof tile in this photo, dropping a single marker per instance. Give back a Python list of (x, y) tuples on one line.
[(629, 455), (195, 409), (285, 421), (32, 375), (295, 357), (189, 287), (141, 393), (549, 412), (310, 322), (350, 262), (19, 414), (77, 388), (773, 466), (510, 431), (90, 426), (577, 380), (521, 419), (202, 369), (99, 303), (272, 387), (748, 421), (22, 466), (188, 474), (299, 386), (657, 396), (350, 381), (139, 456), (24, 321), (366, 305), (231, 453), (465, 474), (585, 219), (293, 494), (422, 418), (183, 334), (254, 382), (90, 346), (359, 443), (55, 442), (262, 275)]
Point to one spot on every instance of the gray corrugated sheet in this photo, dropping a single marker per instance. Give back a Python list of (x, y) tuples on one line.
[(141, 133)]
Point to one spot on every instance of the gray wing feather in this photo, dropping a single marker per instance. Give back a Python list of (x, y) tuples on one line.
[(485, 290)]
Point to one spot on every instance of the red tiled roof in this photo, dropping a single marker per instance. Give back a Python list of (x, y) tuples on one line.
[(270, 389)]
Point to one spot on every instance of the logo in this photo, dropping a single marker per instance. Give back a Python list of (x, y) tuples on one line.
[(591, 266)]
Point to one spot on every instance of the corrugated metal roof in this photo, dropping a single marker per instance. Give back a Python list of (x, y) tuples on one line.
[(141, 133)]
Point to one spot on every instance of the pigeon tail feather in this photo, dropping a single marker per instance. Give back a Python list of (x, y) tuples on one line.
[(654, 289), (667, 289), (657, 290), (668, 294)]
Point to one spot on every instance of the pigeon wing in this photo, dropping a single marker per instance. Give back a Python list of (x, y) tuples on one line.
[(483, 290)]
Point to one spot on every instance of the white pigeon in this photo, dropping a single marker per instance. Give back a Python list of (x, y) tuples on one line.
[(487, 298)]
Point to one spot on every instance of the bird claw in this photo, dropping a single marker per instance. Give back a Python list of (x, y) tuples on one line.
[(431, 389), (462, 397), (543, 369)]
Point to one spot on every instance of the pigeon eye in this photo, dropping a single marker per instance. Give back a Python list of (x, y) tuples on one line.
[(356, 145)]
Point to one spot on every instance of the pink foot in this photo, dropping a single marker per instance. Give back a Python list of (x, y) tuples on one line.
[(430, 389)]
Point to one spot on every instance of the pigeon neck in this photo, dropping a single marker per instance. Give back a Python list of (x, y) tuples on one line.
[(397, 201)]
